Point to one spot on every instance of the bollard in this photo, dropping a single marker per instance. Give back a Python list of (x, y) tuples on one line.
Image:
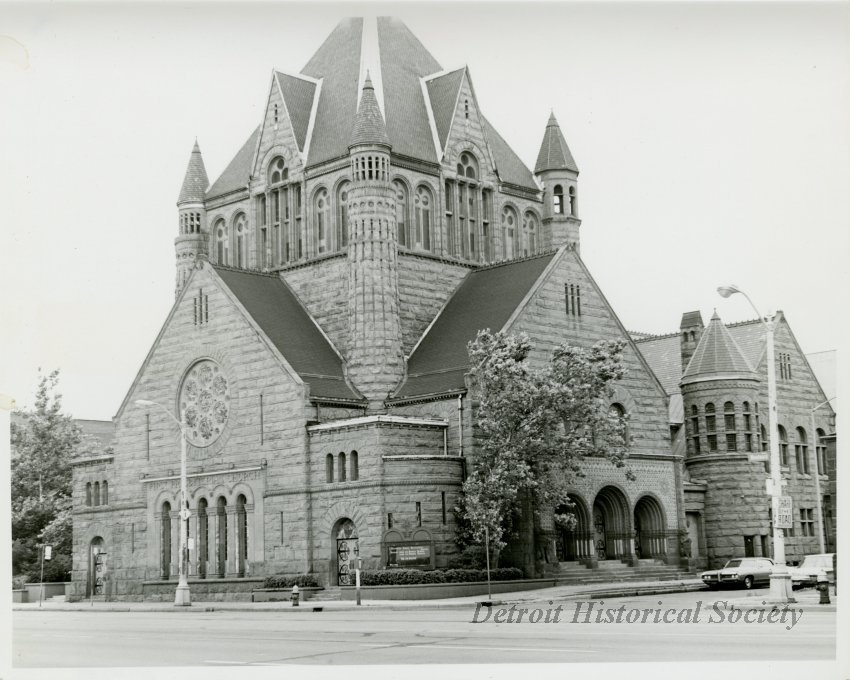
[(823, 587), (294, 597)]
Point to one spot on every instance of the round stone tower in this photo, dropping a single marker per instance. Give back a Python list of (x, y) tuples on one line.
[(192, 238), (557, 171), (375, 358)]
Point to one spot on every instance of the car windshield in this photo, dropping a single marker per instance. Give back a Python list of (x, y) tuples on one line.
[(733, 563), (816, 561)]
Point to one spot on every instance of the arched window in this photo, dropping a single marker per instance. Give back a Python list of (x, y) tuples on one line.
[(402, 208), (221, 536), (104, 493), (765, 442), (694, 430), (423, 203), (748, 426), (97, 493), (617, 416), (341, 471), (558, 200), (355, 466), (529, 234), (467, 166), (730, 426), (240, 231), (329, 468), (278, 172), (222, 247), (573, 202), (820, 451), (783, 446), (88, 493), (203, 537), (509, 226), (241, 535), (165, 540), (801, 449), (467, 243), (342, 215), (710, 427), (321, 214)]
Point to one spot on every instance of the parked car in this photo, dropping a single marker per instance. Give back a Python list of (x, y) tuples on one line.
[(744, 572), (811, 569)]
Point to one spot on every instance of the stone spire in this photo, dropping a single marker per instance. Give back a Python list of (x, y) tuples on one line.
[(554, 153), (558, 172), (369, 127), (195, 182), (717, 356)]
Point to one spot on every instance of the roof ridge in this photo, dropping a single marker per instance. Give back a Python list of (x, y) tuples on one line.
[(746, 322), (242, 270), (652, 336), (494, 265)]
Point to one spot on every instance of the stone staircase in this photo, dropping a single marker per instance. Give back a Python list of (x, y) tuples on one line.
[(615, 571)]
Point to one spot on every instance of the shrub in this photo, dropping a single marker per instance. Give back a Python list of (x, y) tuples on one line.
[(404, 577), (300, 580), (471, 557)]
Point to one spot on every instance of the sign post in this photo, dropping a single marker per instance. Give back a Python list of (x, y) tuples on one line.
[(487, 552), (357, 579)]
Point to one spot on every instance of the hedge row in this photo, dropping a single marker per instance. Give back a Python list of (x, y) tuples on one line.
[(301, 580), (398, 577)]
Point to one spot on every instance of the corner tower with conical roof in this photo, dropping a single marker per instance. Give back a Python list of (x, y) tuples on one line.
[(191, 242), (375, 357), (557, 171)]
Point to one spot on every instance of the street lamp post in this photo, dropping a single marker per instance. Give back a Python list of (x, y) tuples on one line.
[(780, 579), (816, 475), (181, 595)]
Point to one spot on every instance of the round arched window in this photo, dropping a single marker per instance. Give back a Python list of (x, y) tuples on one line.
[(467, 166), (204, 402), (278, 171)]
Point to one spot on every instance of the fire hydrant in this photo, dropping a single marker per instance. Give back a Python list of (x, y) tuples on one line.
[(294, 597), (823, 587)]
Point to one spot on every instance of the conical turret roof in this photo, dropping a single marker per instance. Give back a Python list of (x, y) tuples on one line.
[(554, 152), (717, 356), (195, 182), (369, 127)]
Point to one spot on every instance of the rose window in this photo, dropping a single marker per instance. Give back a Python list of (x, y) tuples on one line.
[(205, 402)]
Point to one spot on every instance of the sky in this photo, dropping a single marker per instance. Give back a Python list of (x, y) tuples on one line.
[(712, 141)]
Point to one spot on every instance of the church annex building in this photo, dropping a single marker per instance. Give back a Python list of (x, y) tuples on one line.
[(327, 284)]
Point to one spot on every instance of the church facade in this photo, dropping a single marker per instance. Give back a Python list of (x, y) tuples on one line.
[(327, 284)]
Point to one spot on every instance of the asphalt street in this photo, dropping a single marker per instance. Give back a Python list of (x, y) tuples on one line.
[(423, 635)]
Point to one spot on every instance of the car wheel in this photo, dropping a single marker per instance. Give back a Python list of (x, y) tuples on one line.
[(748, 582)]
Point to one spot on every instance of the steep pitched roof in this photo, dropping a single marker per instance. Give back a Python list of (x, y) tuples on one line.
[(236, 174), (554, 153), (288, 326), (717, 354), (664, 355), (337, 62), (443, 92), (195, 182), (485, 299), (403, 62), (511, 169), (369, 125), (298, 96)]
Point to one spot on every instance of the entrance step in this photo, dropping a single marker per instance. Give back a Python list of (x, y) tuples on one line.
[(615, 571)]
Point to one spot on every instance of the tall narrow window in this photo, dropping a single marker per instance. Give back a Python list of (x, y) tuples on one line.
[(486, 221), (423, 202), (418, 514), (222, 247), (573, 202), (165, 541), (558, 200), (710, 427), (401, 212), (529, 234), (729, 425), (355, 466), (299, 234), (342, 215), (221, 537), (748, 426), (203, 537), (329, 468), (694, 429), (451, 236), (240, 231), (389, 520), (820, 451), (88, 494), (241, 535), (467, 186), (321, 210), (341, 471), (783, 446), (801, 449), (97, 493), (443, 504), (509, 226), (617, 418), (104, 493)]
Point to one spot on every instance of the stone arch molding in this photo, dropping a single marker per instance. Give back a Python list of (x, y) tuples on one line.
[(456, 148), (336, 512), (293, 162)]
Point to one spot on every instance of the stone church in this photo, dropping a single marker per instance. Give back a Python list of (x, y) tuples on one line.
[(327, 284)]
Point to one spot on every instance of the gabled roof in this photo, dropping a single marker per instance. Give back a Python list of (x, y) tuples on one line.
[(664, 355), (237, 173), (298, 95), (485, 299), (443, 93), (511, 169), (195, 182), (369, 125), (554, 153), (279, 314)]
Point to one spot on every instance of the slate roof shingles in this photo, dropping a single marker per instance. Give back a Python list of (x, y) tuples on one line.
[(236, 174), (443, 92), (298, 95), (195, 182)]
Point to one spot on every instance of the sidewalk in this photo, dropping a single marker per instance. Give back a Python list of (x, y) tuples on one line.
[(807, 599), (559, 593)]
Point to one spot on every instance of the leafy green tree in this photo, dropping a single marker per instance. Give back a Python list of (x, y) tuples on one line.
[(534, 427), (44, 441)]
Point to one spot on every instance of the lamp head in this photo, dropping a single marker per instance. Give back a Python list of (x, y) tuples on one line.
[(727, 291)]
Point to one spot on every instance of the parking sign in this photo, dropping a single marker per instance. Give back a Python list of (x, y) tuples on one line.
[(783, 513)]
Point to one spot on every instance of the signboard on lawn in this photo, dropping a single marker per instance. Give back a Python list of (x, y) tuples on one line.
[(409, 556)]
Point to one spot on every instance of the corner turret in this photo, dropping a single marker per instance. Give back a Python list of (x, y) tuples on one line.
[(557, 171), (191, 242)]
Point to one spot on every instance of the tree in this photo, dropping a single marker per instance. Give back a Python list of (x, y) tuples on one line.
[(535, 426), (44, 441)]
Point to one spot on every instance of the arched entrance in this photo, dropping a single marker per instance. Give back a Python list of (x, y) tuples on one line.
[(97, 567), (576, 543), (650, 536), (346, 549), (611, 526)]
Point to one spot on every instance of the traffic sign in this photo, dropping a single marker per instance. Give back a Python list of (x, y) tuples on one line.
[(784, 513)]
